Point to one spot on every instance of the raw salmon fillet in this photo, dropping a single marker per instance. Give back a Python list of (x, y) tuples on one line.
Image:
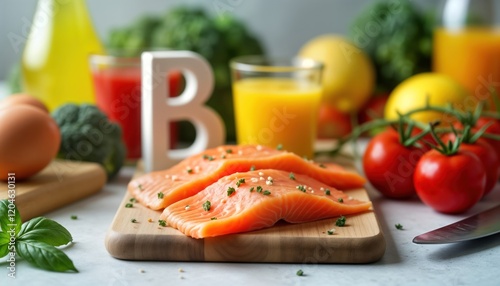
[(159, 189), (254, 200)]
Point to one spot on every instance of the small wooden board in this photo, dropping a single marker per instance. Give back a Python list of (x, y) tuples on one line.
[(60, 183), (360, 241)]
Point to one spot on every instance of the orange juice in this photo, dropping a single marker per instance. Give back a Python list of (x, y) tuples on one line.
[(277, 111), (471, 56)]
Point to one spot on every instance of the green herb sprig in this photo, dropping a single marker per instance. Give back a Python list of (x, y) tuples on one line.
[(340, 221), (36, 240), (207, 205)]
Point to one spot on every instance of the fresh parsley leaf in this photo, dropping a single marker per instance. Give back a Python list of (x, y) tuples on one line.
[(300, 272), (9, 217), (45, 256), (44, 230), (340, 221), (399, 226), (207, 205)]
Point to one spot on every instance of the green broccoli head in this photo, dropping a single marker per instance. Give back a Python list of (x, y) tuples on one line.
[(398, 38), (218, 39), (87, 135), (185, 28)]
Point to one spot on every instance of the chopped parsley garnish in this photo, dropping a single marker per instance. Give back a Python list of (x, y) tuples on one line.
[(208, 157), (133, 200), (162, 222), (129, 205), (251, 189), (229, 151), (189, 170), (140, 187), (160, 195), (340, 221), (133, 220), (341, 200), (240, 181), (266, 193), (279, 147), (300, 272), (330, 231), (74, 217), (327, 192), (252, 168), (207, 205), (301, 188), (399, 226), (230, 191), (259, 189), (213, 218), (291, 176)]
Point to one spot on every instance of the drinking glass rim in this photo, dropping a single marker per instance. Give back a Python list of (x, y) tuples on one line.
[(257, 63), (113, 60), (120, 58)]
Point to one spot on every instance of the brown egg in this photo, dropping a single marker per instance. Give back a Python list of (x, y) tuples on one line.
[(29, 140), (21, 98)]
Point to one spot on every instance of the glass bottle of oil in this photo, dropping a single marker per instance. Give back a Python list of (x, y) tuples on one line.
[(55, 65)]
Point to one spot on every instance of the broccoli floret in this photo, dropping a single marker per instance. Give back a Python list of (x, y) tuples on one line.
[(218, 39), (397, 38), (88, 135)]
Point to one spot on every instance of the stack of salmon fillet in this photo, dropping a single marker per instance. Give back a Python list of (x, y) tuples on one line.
[(239, 188)]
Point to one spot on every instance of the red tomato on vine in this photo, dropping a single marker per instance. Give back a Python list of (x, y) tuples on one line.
[(450, 183), (389, 163)]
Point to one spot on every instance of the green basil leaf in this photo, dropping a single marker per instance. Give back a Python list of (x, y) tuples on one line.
[(45, 256), (9, 216), (44, 230), (4, 244)]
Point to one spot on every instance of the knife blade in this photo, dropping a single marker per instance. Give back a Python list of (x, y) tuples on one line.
[(479, 225)]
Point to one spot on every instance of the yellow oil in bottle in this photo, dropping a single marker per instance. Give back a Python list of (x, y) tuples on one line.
[(55, 65)]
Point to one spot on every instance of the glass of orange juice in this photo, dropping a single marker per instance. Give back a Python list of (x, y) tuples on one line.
[(276, 102), (467, 46)]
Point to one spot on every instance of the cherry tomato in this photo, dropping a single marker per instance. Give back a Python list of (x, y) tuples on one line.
[(332, 123), (373, 109), (483, 150), (389, 165), (450, 184), (494, 128)]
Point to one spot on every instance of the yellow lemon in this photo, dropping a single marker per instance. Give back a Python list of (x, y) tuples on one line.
[(438, 89), (348, 75)]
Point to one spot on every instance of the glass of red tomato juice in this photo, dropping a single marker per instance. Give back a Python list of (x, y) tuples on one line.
[(117, 86)]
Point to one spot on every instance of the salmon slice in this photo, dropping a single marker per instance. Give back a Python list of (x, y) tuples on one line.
[(258, 199), (159, 189)]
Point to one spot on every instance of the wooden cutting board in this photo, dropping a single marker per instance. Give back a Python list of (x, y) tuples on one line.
[(60, 183), (360, 241)]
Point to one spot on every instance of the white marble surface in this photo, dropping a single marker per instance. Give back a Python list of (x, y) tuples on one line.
[(404, 263)]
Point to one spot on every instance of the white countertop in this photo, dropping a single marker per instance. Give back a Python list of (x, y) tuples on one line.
[(404, 263)]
